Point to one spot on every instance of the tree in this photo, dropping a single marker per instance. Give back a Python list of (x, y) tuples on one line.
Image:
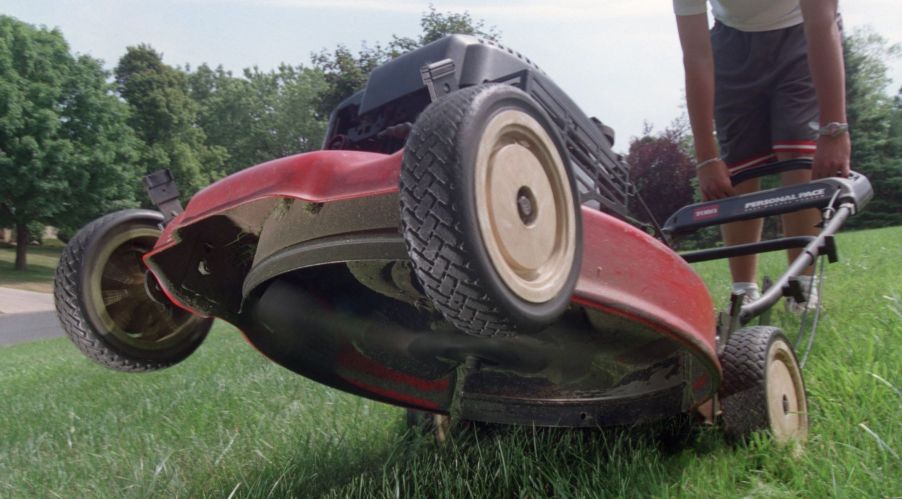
[(262, 116), (66, 152), (346, 72), (436, 25), (165, 118), (875, 124), (662, 172)]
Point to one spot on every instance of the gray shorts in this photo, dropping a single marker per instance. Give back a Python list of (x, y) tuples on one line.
[(764, 96)]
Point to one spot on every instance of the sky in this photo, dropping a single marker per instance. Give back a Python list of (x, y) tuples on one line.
[(618, 59)]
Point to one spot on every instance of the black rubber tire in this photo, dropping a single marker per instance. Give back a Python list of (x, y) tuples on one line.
[(439, 221), (73, 298), (744, 388)]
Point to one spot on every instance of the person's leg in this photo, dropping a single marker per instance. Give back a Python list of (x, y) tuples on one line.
[(794, 108), (743, 268), (799, 223), (742, 118)]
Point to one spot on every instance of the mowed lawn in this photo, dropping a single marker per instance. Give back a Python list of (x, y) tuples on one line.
[(41, 261), (226, 422)]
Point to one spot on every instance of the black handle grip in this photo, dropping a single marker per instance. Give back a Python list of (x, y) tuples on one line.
[(772, 169)]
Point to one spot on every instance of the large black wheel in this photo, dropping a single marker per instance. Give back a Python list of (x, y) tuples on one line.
[(107, 307), (490, 211), (762, 386)]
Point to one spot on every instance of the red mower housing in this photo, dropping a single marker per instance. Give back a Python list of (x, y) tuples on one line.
[(264, 248)]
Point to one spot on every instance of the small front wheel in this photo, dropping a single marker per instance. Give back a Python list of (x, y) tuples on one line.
[(106, 300), (762, 386)]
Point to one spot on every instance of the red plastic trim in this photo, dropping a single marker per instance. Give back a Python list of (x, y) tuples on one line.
[(630, 274), (317, 177)]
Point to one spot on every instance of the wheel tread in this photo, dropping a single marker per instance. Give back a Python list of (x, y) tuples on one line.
[(70, 308), (434, 240), (743, 389)]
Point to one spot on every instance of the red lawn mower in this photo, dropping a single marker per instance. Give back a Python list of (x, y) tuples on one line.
[(461, 245)]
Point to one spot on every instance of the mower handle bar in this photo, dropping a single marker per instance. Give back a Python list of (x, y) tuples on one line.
[(772, 169), (839, 198), (820, 245), (820, 193)]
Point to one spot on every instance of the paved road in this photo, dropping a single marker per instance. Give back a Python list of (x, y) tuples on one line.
[(14, 301), (26, 316), (19, 328)]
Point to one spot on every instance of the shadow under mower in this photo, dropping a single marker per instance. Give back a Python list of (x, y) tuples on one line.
[(461, 245)]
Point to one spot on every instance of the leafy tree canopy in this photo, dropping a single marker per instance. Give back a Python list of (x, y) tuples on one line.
[(260, 116), (662, 171), (875, 124), (346, 72), (66, 152), (436, 25), (164, 117)]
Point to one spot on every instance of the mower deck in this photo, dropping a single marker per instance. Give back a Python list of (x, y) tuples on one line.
[(325, 290)]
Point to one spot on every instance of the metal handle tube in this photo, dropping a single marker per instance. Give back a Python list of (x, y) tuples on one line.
[(806, 258), (747, 249)]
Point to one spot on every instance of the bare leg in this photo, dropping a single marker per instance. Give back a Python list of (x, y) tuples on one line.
[(800, 223), (743, 268)]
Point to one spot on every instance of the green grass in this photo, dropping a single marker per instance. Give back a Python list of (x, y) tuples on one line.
[(42, 262), (226, 420)]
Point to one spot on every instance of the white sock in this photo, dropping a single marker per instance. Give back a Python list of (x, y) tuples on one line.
[(750, 289)]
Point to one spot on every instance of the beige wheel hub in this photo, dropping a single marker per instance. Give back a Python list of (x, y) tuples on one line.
[(525, 206), (118, 298), (787, 406)]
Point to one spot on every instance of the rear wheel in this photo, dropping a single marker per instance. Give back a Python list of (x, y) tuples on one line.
[(489, 211), (111, 307), (762, 386)]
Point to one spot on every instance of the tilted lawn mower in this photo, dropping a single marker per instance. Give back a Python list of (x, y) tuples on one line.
[(461, 245)]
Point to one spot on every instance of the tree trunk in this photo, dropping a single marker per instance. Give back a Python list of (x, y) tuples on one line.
[(21, 247)]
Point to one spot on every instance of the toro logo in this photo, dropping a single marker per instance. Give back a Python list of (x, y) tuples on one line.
[(706, 212)]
